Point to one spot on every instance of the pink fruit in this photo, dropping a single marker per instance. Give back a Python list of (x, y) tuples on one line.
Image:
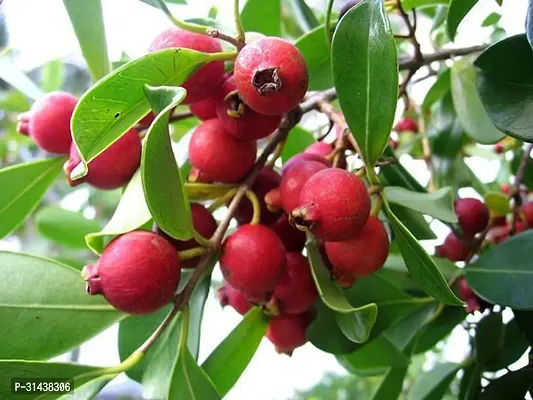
[(406, 124), (204, 109), (287, 332), (299, 158), (293, 182), (293, 239), (473, 216), (321, 148), (229, 296)]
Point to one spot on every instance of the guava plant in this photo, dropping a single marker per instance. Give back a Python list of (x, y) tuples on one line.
[(327, 245)]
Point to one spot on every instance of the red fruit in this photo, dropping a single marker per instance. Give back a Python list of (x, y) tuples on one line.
[(362, 254), (239, 119), (293, 239), (48, 122), (334, 205), (228, 295), (527, 213), (506, 189), (321, 148), (203, 223), (465, 292), (220, 155), (294, 180), (406, 124), (204, 82), (499, 221), (455, 249), (300, 158), (473, 216), (273, 200), (253, 260), (296, 291), (204, 109), (500, 234), (114, 167), (147, 120), (197, 176), (287, 332), (267, 179), (271, 75), (499, 148), (137, 273)]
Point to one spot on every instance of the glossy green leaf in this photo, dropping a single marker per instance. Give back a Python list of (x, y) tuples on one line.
[(304, 14), (90, 389), (506, 88), (421, 266), (365, 71), (10, 73), (438, 204), (355, 322), (468, 106), (434, 383), (441, 86), (397, 175), (35, 369), (297, 141), (456, 13), (263, 17), (497, 203), (231, 357), (470, 385), (489, 337), (513, 345), (157, 375), (503, 274), (391, 385), (513, 386), (414, 222), (492, 19), (88, 22), (163, 187), (114, 104), (410, 4), (439, 328), (317, 58), (205, 191), (65, 227), (23, 187), (48, 308), (53, 75), (133, 332), (130, 214), (524, 321)]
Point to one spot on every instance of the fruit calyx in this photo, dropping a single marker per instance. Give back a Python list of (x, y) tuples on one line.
[(267, 80), (303, 218), (236, 107), (90, 274)]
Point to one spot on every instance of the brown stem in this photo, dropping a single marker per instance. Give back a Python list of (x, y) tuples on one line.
[(215, 33)]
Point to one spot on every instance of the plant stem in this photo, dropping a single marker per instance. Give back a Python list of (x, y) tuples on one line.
[(256, 219), (202, 241), (238, 24), (377, 205), (192, 253), (222, 200), (184, 333), (327, 22)]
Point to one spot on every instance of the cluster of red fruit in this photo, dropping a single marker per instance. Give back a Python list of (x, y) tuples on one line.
[(48, 124)]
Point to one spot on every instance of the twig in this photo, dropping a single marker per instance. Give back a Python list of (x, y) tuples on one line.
[(519, 177), (411, 35), (410, 62), (337, 117)]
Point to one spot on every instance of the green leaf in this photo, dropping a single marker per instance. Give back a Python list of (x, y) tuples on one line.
[(498, 203), (53, 75), (355, 322), (441, 86), (513, 345), (23, 186), (503, 274), (397, 175), (13, 75), (365, 71), (133, 332), (65, 227), (421, 266), (88, 22), (391, 385), (163, 187), (263, 17), (157, 374), (410, 4), (48, 308), (304, 14), (438, 204), (524, 321), (489, 337), (35, 369), (492, 19), (130, 214), (231, 357), (376, 355), (470, 386), (114, 104), (439, 328), (317, 57), (434, 383), (456, 12), (90, 389), (512, 386), (468, 106), (506, 88), (297, 141), (204, 191)]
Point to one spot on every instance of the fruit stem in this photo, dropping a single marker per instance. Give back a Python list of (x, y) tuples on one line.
[(360, 173), (256, 218), (276, 155), (202, 241), (327, 22), (222, 200), (192, 253), (238, 24), (377, 205), (125, 365)]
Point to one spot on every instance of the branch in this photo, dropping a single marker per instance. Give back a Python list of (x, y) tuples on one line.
[(441, 55)]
